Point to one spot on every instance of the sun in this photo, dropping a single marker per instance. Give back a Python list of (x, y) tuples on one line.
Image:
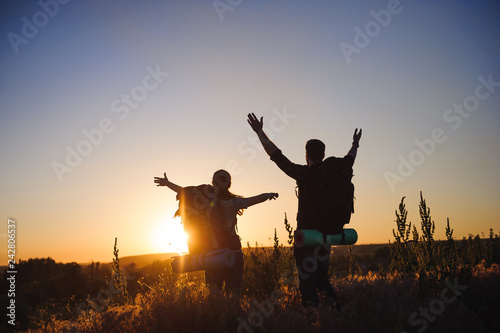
[(168, 236)]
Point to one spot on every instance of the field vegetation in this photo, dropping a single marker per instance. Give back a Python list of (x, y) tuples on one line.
[(413, 284)]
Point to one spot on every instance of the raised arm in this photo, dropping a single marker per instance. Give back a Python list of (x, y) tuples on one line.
[(165, 182), (261, 198), (355, 143), (257, 125)]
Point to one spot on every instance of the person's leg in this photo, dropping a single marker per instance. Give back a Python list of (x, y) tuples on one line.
[(213, 278), (234, 275), (307, 269), (323, 283)]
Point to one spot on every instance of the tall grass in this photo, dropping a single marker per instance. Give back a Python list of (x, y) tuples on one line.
[(381, 299), (424, 257)]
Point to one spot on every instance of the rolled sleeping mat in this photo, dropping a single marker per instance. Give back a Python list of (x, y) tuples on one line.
[(196, 262), (314, 238)]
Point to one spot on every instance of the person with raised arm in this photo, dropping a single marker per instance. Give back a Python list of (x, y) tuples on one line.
[(232, 206), (315, 207)]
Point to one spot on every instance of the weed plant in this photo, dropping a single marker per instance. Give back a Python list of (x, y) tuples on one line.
[(376, 298)]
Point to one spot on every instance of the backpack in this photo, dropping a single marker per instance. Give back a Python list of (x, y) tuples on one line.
[(334, 191), (203, 219)]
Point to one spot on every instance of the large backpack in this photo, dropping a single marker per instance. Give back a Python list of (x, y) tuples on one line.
[(203, 219), (334, 191)]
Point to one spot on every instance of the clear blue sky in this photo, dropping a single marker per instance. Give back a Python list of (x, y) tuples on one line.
[(97, 98)]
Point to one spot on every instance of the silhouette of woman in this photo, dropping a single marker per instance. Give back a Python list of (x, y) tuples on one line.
[(233, 206)]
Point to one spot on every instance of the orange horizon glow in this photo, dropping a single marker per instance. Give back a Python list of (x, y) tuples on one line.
[(87, 122)]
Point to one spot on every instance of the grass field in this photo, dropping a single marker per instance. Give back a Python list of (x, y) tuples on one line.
[(412, 284)]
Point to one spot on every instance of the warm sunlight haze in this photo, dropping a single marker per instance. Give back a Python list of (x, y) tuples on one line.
[(168, 236), (112, 110), (102, 96)]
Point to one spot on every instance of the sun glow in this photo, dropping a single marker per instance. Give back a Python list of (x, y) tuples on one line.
[(168, 236)]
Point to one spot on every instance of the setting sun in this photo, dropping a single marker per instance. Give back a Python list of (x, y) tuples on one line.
[(169, 236)]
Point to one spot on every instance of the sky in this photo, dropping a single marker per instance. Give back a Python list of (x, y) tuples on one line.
[(98, 98)]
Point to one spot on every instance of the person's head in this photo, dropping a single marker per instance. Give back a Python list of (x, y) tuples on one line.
[(315, 151), (221, 180)]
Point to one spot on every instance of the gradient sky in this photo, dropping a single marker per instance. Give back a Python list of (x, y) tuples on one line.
[(85, 66)]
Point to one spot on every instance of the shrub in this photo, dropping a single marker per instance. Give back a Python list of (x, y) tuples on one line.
[(371, 301)]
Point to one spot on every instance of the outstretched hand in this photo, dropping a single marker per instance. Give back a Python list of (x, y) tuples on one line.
[(162, 181), (273, 196), (357, 136), (255, 123)]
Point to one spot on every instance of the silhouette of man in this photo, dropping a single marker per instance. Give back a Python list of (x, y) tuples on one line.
[(312, 262)]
